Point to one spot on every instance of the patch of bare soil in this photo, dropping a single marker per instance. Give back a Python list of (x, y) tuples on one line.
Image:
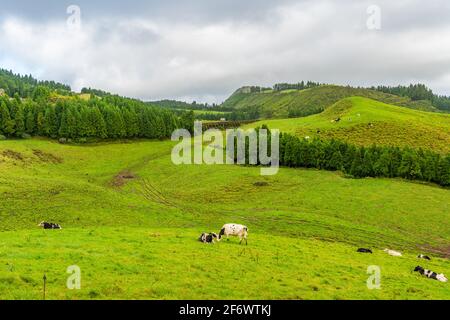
[(443, 251), (261, 184), (47, 157), (13, 155), (122, 178)]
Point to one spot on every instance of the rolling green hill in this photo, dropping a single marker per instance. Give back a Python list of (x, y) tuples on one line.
[(297, 103), (366, 122), (131, 219)]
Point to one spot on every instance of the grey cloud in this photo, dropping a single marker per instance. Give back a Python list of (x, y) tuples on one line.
[(206, 49)]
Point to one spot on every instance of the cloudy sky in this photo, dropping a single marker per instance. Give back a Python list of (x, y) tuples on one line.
[(205, 49)]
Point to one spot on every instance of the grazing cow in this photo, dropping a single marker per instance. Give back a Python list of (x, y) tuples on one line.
[(208, 237), (49, 225), (233, 229), (430, 274), (421, 256), (393, 253), (363, 250)]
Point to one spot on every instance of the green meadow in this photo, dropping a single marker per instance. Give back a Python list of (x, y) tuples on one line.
[(131, 220)]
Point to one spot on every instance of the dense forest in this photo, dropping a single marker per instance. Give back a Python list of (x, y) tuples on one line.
[(29, 107), (179, 105), (360, 162), (112, 117), (41, 111), (24, 86)]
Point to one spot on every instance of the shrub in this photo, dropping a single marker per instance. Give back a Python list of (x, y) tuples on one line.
[(2, 137), (25, 136)]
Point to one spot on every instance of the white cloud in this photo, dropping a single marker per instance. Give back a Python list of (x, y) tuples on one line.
[(151, 59)]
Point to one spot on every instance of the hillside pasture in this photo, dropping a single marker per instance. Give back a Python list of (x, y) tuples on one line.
[(365, 122), (298, 103), (138, 239)]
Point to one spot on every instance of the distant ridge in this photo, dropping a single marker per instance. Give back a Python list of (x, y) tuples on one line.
[(269, 103)]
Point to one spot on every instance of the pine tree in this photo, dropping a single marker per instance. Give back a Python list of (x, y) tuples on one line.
[(40, 122), (50, 126), (382, 164), (357, 169), (72, 130), (444, 171), (367, 165), (19, 122), (131, 123), (85, 129), (97, 123), (409, 166), (30, 122), (64, 127), (336, 161), (6, 124)]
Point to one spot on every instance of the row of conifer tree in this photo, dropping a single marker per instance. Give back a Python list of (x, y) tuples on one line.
[(360, 161)]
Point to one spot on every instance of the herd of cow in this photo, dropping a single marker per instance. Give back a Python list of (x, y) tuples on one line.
[(241, 231), (425, 272)]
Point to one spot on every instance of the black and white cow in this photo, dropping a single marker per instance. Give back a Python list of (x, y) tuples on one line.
[(49, 225), (421, 256), (208, 237), (430, 274), (237, 230), (364, 250)]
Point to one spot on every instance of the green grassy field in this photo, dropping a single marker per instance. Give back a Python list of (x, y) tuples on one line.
[(365, 122), (131, 218)]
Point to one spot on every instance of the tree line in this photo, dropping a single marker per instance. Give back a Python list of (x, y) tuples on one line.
[(25, 86), (418, 92), (111, 117), (360, 161), (295, 86)]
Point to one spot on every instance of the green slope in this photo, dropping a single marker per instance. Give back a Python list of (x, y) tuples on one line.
[(291, 103), (366, 121), (137, 238)]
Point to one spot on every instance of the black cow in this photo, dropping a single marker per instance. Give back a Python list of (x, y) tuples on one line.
[(49, 225), (430, 274), (363, 250), (208, 237), (421, 256)]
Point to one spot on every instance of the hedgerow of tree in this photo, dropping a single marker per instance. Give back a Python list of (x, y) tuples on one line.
[(360, 162)]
